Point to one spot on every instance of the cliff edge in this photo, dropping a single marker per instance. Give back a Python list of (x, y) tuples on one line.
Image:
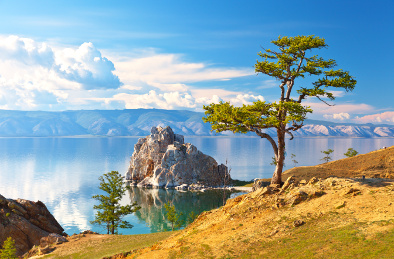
[(26, 222)]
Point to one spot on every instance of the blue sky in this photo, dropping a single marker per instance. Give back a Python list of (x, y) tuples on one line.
[(67, 55)]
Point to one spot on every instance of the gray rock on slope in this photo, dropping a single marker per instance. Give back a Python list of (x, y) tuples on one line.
[(26, 222), (162, 159)]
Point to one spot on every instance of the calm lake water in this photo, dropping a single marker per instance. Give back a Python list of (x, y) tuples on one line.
[(63, 172)]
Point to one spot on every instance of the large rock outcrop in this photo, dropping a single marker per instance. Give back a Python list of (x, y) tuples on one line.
[(26, 222), (162, 159)]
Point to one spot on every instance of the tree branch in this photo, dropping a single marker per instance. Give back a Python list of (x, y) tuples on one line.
[(291, 134), (324, 101), (269, 138)]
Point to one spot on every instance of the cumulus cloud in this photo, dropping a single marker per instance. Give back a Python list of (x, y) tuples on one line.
[(177, 100), (34, 75), (86, 65), (385, 117), (37, 76), (169, 100), (337, 116)]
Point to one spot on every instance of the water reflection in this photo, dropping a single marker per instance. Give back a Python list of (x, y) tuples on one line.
[(152, 202), (63, 172)]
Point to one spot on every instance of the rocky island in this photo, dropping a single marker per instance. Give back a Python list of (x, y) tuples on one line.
[(162, 159)]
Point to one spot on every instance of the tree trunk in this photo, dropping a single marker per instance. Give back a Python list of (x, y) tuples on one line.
[(280, 158)]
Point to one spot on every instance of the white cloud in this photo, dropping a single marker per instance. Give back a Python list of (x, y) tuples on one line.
[(322, 108), (35, 76), (86, 65), (200, 93), (170, 69), (385, 117), (169, 100), (337, 116), (177, 100), (40, 76)]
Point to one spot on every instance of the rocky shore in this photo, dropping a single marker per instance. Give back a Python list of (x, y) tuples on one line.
[(27, 222)]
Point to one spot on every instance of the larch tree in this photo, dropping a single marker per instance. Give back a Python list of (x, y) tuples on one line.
[(109, 212), (289, 62)]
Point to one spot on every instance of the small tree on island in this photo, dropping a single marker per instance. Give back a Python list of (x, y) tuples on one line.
[(351, 152), (287, 64), (109, 211), (8, 251)]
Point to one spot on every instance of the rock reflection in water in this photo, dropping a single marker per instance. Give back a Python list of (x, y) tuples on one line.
[(152, 202)]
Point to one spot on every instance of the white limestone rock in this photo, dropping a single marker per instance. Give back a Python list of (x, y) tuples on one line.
[(162, 159)]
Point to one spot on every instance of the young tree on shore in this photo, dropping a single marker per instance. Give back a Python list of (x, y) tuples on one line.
[(293, 156), (290, 62), (8, 251), (109, 211), (327, 158), (351, 152), (173, 216)]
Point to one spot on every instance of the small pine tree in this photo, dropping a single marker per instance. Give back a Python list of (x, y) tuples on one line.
[(9, 250), (191, 217), (172, 216), (327, 156), (351, 152), (293, 159), (109, 211)]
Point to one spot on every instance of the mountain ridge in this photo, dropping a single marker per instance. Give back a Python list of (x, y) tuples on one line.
[(138, 122)]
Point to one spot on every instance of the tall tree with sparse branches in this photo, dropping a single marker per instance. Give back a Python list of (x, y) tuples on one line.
[(109, 211), (291, 61)]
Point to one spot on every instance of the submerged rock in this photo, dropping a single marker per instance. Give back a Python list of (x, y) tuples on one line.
[(26, 222), (162, 159)]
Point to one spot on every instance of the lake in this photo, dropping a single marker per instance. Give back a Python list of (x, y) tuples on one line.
[(63, 172)]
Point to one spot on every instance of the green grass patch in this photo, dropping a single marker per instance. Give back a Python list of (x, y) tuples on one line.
[(110, 246), (311, 241), (240, 183)]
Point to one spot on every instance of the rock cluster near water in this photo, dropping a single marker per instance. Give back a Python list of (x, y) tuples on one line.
[(27, 222), (162, 159)]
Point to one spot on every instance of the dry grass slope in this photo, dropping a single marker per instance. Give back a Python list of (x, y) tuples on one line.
[(376, 164)]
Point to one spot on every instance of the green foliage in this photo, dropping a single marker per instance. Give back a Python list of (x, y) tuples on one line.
[(235, 182), (191, 217), (172, 216), (327, 156), (109, 211), (273, 161), (351, 152), (290, 61), (9, 250), (259, 115)]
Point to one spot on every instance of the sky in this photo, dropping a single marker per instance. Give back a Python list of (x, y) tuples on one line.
[(71, 55)]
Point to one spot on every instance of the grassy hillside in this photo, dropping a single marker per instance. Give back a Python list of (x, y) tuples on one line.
[(375, 164)]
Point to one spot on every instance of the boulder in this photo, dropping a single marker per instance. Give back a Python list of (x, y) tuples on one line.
[(162, 159), (260, 183), (26, 222)]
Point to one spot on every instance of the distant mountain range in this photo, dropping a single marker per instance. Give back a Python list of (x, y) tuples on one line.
[(138, 122)]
